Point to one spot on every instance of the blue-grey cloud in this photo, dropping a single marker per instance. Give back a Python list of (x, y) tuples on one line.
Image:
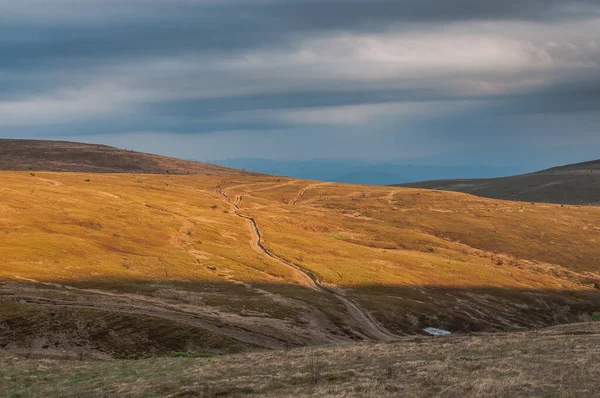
[(356, 78)]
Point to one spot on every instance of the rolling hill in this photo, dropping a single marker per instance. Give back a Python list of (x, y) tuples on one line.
[(572, 184), (121, 265), (64, 156)]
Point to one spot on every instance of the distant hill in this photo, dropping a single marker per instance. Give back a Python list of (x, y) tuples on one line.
[(572, 184), (363, 172), (40, 155), (367, 177)]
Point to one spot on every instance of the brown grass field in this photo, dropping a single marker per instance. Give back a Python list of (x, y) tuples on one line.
[(90, 260), (555, 362), (104, 267)]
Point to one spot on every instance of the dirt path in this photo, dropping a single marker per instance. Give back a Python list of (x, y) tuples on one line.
[(303, 192), (306, 278), (363, 319), (214, 326), (299, 196), (267, 332)]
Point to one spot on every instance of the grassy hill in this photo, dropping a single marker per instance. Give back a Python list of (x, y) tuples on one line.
[(559, 361), (91, 158), (572, 184), (130, 266)]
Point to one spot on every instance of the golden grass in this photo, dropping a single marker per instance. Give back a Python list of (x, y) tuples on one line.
[(355, 235), (58, 226), (413, 258)]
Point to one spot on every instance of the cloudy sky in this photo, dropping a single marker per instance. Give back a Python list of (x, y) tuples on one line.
[(512, 81)]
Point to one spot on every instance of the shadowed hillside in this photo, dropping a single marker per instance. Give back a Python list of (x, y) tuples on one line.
[(572, 184), (91, 158), (554, 362)]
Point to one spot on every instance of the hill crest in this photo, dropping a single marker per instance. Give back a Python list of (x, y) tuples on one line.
[(577, 184), (66, 156)]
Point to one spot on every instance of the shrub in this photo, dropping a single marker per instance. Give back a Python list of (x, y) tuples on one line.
[(388, 368), (314, 370)]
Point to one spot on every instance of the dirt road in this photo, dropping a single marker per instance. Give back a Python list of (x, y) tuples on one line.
[(370, 328)]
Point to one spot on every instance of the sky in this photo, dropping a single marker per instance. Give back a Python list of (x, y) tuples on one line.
[(512, 82)]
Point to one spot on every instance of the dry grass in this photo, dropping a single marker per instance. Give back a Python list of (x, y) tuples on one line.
[(560, 361), (60, 227), (353, 235), (169, 246)]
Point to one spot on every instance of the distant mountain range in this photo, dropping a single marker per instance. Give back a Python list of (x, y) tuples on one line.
[(577, 183), (363, 172)]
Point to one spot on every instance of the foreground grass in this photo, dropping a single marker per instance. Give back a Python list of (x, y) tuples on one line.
[(559, 361)]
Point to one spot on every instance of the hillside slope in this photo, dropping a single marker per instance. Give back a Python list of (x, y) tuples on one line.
[(572, 184), (132, 266), (39, 155)]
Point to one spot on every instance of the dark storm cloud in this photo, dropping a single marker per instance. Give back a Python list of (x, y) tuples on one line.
[(297, 100), (168, 28), (426, 72), (577, 95), (372, 13), (58, 46)]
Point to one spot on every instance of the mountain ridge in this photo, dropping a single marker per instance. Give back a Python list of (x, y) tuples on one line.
[(576, 184), (363, 171), (67, 156)]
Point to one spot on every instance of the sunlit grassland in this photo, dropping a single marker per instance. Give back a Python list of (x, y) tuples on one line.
[(410, 257), (63, 226), (353, 235), (73, 226), (416, 257)]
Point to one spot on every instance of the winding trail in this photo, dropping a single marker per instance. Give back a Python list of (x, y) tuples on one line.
[(299, 196), (214, 326), (303, 192), (135, 304), (370, 327)]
